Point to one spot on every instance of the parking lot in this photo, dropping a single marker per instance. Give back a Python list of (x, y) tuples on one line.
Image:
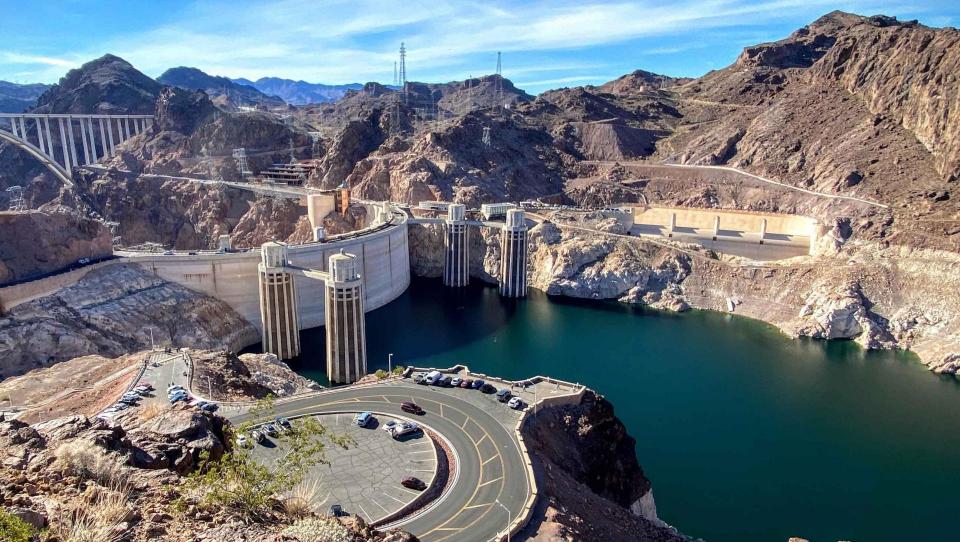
[(365, 479)]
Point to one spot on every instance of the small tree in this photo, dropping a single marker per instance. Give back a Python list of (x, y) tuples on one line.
[(399, 369), (14, 529), (250, 488), (380, 374)]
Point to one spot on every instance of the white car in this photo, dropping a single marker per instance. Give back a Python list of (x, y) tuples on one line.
[(389, 426), (404, 428), (515, 403), (456, 382), (243, 441)]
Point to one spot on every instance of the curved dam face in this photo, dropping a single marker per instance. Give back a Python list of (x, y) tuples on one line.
[(383, 264)]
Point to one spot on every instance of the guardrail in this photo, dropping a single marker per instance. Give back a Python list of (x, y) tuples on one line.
[(573, 397)]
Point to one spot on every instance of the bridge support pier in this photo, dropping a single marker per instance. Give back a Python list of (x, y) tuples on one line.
[(673, 224), (513, 255), (278, 303), (716, 227), (345, 322), (456, 267), (763, 229)]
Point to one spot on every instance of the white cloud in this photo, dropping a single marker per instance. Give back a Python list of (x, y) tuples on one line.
[(338, 41)]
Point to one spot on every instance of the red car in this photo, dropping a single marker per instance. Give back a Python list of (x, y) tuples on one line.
[(467, 383), (412, 408), (411, 482)]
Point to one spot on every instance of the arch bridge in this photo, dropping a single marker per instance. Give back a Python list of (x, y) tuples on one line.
[(66, 141)]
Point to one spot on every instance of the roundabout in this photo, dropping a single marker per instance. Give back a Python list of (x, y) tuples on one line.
[(489, 488)]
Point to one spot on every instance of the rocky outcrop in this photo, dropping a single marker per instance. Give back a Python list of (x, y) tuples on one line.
[(112, 311), (593, 487), (107, 85), (230, 377), (60, 238)]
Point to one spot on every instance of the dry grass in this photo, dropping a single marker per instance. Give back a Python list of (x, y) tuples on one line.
[(87, 460), (300, 501), (94, 521), (150, 411)]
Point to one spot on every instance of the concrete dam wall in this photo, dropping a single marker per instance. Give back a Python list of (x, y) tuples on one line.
[(384, 264)]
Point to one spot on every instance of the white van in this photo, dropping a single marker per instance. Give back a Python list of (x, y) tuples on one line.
[(432, 377)]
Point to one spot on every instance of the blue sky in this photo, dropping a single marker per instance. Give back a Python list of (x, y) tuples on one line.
[(545, 44)]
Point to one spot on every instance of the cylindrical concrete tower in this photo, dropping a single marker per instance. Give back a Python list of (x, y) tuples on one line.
[(513, 255), (319, 233), (456, 267), (346, 328), (278, 303)]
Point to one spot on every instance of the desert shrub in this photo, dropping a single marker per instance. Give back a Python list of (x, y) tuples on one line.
[(14, 529), (399, 369), (94, 521), (319, 530), (380, 374), (298, 502), (87, 460), (240, 483)]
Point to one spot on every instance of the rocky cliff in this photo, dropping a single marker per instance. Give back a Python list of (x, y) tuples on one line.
[(58, 238), (882, 297), (113, 311), (593, 487)]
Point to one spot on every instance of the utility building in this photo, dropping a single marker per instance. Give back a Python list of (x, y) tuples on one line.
[(345, 323), (278, 303)]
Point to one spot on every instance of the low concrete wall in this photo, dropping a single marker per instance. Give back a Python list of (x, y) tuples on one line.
[(17, 294), (746, 221)]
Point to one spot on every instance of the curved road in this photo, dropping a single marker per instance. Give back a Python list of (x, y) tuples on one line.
[(490, 466)]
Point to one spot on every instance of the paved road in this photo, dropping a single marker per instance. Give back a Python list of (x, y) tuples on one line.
[(490, 466)]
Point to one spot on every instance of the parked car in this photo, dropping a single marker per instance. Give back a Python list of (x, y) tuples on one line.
[(446, 382), (284, 423), (455, 382), (336, 510), (243, 441), (145, 385), (488, 388), (432, 377), (515, 403), (210, 407), (418, 378), (363, 419), (271, 430), (503, 395), (412, 482), (405, 428), (412, 408), (120, 406), (477, 384), (168, 253), (83, 261), (259, 437), (467, 383), (389, 426)]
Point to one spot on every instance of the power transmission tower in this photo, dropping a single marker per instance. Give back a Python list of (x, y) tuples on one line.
[(486, 137), (240, 156), (394, 73), (16, 198), (498, 86), (293, 155), (402, 81)]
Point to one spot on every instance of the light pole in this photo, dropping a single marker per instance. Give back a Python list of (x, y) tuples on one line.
[(390, 362), (509, 517)]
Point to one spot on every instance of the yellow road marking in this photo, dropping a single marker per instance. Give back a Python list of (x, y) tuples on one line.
[(491, 458), (497, 479)]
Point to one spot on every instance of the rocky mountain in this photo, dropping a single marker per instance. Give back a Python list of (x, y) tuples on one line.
[(61, 236), (107, 85), (15, 98), (222, 90), (299, 92)]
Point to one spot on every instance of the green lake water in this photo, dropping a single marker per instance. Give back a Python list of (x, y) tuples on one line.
[(746, 435)]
